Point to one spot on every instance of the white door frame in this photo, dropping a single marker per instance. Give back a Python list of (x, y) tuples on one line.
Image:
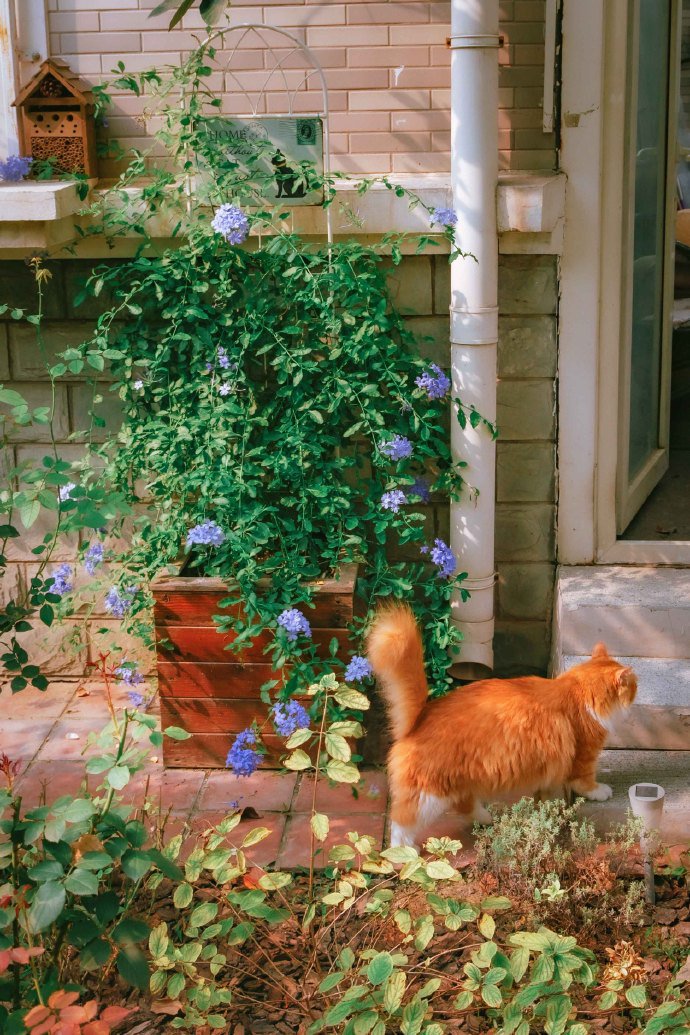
[(594, 125)]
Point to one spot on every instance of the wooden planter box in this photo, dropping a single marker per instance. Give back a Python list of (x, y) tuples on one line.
[(211, 692)]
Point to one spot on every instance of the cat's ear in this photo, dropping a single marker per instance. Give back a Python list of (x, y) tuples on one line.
[(626, 679), (600, 651)]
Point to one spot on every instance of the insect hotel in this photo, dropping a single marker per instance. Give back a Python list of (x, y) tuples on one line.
[(56, 120)]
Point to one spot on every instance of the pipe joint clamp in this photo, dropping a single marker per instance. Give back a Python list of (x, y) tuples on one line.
[(473, 42)]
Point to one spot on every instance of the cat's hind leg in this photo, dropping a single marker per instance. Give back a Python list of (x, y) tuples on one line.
[(411, 814)]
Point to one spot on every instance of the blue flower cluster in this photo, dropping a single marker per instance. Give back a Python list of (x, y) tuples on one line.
[(231, 222), (118, 604), (135, 698), (397, 448), (208, 533), (243, 758), (93, 557), (393, 500), (223, 358), (420, 487), (444, 217), (294, 623), (62, 580), (14, 168), (443, 557), (225, 388), (289, 716), (359, 668), (129, 673), (65, 492), (434, 382)]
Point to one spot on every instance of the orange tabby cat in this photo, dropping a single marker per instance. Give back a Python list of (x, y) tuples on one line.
[(491, 737)]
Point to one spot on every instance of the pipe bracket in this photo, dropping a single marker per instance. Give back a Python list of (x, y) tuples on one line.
[(473, 42)]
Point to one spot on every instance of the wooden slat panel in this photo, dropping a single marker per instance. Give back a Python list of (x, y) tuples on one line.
[(181, 607), (201, 643), (231, 680), (209, 751), (344, 584), (209, 715)]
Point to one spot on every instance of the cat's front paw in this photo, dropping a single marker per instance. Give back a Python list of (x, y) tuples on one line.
[(602, 792), (481, 815)]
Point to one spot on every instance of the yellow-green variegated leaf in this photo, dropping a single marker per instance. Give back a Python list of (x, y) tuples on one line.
[(351, 698), (338, 747), (298, 760), (342, 772), (320, 826), (297, 738)]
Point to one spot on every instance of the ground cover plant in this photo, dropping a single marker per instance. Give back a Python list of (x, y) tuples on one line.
[(97, 926)]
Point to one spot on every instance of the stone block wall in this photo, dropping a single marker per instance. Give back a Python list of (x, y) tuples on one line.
[(526, 465)]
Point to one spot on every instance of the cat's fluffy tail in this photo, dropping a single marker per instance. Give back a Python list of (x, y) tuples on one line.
[(394, 648)]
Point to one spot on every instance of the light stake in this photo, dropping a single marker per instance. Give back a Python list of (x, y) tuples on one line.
[(647, 803)]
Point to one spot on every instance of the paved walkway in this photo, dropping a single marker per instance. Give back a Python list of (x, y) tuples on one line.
[(47, 733)]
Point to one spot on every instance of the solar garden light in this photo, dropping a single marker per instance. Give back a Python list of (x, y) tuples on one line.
[(647, 803)]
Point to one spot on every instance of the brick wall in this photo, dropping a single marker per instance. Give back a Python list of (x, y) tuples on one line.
[(386, 65), (525, 514)]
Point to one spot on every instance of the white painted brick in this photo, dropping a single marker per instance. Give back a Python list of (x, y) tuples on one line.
[(73, 21)]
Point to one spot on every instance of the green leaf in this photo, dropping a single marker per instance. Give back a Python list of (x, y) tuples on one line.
[(239, 934), (463, 1001), (79, 810), (496, 902), (401, 854), (94, 955), (636, 995), (47, 904), (607, 1000), (297, 761), (320, 826), (338, 747), (203, 914), (255, 836), (413, 1017), (491, 996), (130, 931), (132, 966), (82, 882), (159, 941), (136, 864), (351, 698), (519, 962), (176, 733), (487, 925), (183, 895), (342, 772), (297, 738), (380, 968), (118, 777), (557, 1013), (441, 869), (394, 990)]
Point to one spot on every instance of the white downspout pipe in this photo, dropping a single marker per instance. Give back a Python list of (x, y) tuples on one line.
[(474, 314)]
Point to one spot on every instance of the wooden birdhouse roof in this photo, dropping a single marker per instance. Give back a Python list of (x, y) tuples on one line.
[(61, 72)]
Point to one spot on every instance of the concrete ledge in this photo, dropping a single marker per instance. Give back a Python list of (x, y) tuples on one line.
[(38, 201), (530, 208)]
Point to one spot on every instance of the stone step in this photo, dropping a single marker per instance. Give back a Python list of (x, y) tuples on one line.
[(660, 716), (637, 612), (621, 769)]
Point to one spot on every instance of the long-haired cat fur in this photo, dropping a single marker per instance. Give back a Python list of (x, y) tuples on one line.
[(489, 738)]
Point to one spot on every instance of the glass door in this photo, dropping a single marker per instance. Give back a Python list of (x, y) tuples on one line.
[(649, 185)]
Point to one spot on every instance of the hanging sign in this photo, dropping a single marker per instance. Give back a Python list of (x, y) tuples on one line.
[(281, 143)]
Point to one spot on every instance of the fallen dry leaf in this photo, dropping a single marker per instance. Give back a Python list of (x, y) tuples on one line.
[(683, 975), (167, 1006)]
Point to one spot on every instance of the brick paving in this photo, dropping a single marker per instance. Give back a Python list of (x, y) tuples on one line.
[(47, 734)]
